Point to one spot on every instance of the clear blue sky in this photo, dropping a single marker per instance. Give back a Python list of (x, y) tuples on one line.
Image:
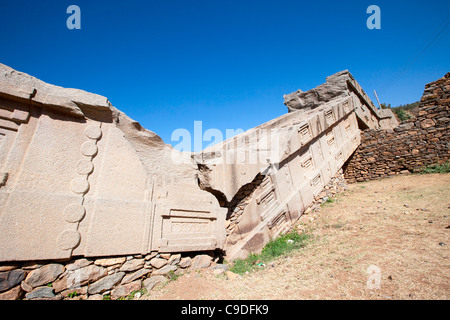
[(227, 63)]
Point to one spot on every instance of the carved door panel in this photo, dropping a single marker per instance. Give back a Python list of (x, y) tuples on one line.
[(192, 223)]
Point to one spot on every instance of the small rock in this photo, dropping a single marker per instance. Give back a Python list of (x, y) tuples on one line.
[(221, 266), (232, 275), (44, 275), (78, 264), (217, 272), (174, 259), (40, 293), (185, 262), (153, 281), (201, 261), (430, 221), (132, 265), (10, 279), (219, 269), (112, 269), (106, 283), (158, 262), (442, 243), (31, 265), (165, 256), (26, 287), (136, 275), (151, 255), (9, 267), (78, 291), (125, 289), (15, 293), (165, 270), (108, 262), (96, 297)]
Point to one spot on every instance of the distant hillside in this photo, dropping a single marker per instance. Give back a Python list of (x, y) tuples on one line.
[(404, 112)]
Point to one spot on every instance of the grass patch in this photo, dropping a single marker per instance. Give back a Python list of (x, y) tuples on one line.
[(172, 276), (275, 248), (328, 202), (339, 225), (435, 168), (133, 293)]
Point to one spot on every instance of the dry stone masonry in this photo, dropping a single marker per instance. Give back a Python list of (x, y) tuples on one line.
[(410, 146), (92, 279), (90, 201)]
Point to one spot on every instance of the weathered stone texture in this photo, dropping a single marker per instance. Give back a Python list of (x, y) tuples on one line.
[(268, 175), (81, 179)]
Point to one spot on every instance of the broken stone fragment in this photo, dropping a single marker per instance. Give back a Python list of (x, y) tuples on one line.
[(10, 279), (44, 275), (106, 283)]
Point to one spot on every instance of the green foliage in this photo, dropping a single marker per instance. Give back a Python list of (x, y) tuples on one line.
[(409, 106), (436, 168), (172, 276), (403, 112), (275, 248), (133, 294), (328, 202)]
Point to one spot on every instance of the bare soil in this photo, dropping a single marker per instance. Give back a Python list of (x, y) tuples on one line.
[(399, 226)]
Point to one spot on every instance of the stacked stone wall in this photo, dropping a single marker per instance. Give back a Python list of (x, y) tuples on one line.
[(97, 279), (414, 144)]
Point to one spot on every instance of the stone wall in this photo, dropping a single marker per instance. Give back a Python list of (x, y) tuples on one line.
[(412, 145), (94, 279)]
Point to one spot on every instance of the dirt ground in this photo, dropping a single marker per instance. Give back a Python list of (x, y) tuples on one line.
[(384, 239)]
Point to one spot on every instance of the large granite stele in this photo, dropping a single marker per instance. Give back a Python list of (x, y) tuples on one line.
[(80, 178)]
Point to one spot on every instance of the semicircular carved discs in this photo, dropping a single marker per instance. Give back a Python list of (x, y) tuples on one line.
[(85, 167), (79, 185), (74, 213), (93, 132), (89, 148), (68, 239)]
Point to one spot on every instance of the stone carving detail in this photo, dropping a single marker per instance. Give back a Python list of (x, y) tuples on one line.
[(74, 213), (80, 178)]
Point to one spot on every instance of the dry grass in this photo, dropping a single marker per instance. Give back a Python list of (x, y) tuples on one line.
[(399, 225)]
